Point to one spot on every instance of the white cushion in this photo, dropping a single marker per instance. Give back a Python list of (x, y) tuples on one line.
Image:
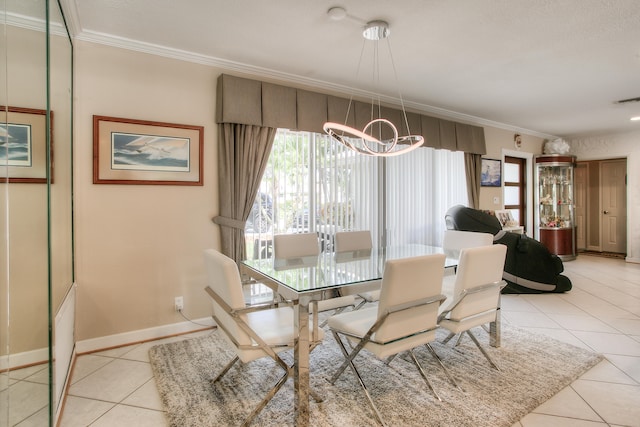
[(360, 321), (275, 326)]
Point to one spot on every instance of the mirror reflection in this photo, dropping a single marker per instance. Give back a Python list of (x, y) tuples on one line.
[(36, 269)]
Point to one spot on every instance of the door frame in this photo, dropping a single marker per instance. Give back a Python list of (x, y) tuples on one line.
[(529, 188), (598, 247), (601, 203)]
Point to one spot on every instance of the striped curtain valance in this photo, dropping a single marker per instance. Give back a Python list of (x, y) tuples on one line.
[(253, 102)]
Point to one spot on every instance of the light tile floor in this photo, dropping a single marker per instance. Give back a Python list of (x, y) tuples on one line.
[(601, 313)]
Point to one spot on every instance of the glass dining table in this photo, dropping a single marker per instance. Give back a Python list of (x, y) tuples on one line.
[(306, 280)]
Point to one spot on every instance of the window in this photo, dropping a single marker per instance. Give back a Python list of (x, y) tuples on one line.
[(313, 183), (515, 187)]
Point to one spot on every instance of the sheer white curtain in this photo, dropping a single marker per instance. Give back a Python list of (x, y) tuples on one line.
[(420, 187), (312, 183)]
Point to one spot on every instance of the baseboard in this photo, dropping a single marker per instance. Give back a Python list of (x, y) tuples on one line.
[(22, 360), (632, 260), (141, 335)]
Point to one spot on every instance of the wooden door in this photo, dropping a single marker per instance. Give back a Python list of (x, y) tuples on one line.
[(613, 212)]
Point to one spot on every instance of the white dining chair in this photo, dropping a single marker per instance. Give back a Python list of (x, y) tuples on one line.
[(405, 318), (349, 241), (457, 239), (476, 293), (286, 246), (252, 332)]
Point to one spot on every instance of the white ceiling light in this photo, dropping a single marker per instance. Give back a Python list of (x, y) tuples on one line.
[(635, 119), (369, 141)]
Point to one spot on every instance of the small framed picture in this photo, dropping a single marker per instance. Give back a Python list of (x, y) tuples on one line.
[(23, 145), (491, 175), (127, 151), (506, 218)]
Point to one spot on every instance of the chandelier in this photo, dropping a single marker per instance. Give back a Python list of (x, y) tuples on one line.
[(369, 141)]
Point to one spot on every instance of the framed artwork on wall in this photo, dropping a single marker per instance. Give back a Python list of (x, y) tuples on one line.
[(142, 152), (23, 145), (506, 218), (491, 173)]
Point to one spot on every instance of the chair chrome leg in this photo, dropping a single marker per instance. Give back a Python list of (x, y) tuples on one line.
[(458, 340), (390, 359), (446, 371), (486, 355), (268, 397), (363, 302), (349, 362), (448, 338), (337, 311), (419, 366), (346, 355), (225, 369)]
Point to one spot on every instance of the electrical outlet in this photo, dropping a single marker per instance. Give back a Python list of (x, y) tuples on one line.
[(179, 303), (496, 200)]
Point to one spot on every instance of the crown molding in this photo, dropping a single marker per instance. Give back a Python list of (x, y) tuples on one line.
[(260, 72)]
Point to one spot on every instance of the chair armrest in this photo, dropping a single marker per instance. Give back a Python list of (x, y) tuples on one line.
[(401, 307), (237, 311), (501, 284), (416, 303)]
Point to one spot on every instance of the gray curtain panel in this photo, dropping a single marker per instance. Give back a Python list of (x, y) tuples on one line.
[(243, 152), (473, 169)]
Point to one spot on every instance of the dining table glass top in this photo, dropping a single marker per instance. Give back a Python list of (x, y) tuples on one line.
[(340, 269)]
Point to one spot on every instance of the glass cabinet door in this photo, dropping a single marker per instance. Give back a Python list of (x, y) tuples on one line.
[(555, 187), (555, 218)]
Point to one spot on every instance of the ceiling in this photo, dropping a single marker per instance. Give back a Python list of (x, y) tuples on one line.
[(546, 67)]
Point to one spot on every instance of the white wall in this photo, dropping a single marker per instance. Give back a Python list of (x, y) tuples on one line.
[(139, 246), (617, 146)]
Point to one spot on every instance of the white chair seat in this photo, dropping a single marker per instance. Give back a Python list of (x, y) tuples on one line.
[(358, 322), (276, 326), (354, 322), (457, 326)]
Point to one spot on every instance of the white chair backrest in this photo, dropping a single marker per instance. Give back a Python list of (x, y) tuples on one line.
[(404, 281), (478, 266), (224, 278), (456, 239), (295, 245), (352, 240)]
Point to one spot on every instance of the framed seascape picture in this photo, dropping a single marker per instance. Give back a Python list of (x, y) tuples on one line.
[(127, 151), (23, 145), (491, 173)]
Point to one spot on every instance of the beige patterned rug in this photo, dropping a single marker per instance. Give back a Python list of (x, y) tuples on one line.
[(533, 368)]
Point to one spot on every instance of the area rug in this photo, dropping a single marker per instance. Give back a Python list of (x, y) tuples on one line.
[(533, 368)]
